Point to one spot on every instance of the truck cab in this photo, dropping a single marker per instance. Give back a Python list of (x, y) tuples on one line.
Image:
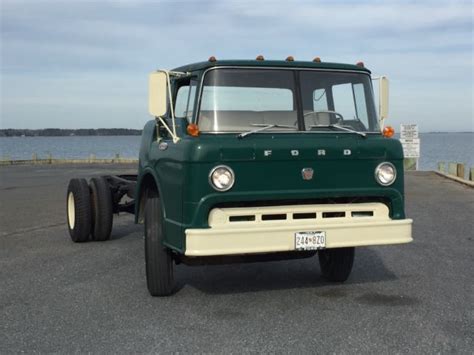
[(262, 159)]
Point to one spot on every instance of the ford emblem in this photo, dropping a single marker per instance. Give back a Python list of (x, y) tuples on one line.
[(307, 173)]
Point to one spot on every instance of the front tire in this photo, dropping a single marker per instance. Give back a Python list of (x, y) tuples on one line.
[(78, 207), (336, 264), (158, 260)]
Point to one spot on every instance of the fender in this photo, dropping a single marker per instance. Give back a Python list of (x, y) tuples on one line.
[(147, 171)]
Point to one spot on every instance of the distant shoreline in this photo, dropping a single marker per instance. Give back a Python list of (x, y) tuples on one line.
[(100, 132), (58, 132)]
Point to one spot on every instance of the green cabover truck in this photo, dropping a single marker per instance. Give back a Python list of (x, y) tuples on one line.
[(249, 160)]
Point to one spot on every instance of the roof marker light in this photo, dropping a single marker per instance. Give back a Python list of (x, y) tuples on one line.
[(290, 58), (260, 57), (212, 59), (317, 60), (360, 64)]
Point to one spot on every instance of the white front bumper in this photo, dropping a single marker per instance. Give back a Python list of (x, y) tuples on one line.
[(225, 237)]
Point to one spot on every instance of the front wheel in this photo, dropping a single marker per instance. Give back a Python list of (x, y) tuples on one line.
[(336, 264), (158, 260)]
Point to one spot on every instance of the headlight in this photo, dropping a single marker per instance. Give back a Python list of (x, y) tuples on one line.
[(385, 174), (222, 178)]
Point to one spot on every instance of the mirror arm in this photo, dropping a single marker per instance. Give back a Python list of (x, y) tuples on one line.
[(163, 122), (173, 119)]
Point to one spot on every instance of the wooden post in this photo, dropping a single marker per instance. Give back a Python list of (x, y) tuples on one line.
[(50, 158), (471, 174), (409, 164), (460, 170), (442, 166), (452, 169)]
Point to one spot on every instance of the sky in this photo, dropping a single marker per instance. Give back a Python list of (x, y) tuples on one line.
[(85, 64)]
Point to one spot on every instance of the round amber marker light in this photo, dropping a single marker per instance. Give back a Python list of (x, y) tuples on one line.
[(388, 132), (193, 129)]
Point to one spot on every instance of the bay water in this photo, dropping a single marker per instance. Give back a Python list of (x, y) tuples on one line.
[(435, 147)]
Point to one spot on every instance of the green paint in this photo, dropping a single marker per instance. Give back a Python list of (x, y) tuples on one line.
[(181, 170)]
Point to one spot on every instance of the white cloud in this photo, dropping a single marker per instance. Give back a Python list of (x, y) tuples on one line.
[(104, 50)]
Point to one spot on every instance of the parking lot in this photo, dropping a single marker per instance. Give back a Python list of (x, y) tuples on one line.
[(57, 296)]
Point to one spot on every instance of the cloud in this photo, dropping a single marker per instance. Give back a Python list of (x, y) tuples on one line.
[(105, 49)]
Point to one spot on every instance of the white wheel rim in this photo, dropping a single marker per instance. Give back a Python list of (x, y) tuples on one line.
[(71, 210)]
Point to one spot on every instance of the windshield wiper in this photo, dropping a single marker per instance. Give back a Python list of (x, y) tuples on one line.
[(263, 127), (341, 128)]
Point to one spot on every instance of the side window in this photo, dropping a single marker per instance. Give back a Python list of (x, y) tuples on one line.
[(320, 100), (361, 105), (184, 105), (344, 101)]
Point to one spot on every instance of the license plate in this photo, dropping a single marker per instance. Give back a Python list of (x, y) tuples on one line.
[(310, 240)]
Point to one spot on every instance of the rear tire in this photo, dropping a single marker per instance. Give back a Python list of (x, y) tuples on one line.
[(78, 207), (158, 260), (102, 209), (336, 264)]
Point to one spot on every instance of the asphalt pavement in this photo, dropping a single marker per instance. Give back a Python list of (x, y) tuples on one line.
[(57, 296)]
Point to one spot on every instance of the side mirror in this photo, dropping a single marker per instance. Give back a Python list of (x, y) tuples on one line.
[(158, 93), (383, 98)]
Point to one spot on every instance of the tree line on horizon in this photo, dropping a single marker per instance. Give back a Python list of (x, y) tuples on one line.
[(59, 132)]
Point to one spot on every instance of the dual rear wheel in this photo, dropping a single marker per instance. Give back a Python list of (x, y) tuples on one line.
[(89, 210), (89, 217)]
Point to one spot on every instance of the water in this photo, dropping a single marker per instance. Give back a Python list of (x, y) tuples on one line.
[(447, 147), (435, 147), (74, 147)]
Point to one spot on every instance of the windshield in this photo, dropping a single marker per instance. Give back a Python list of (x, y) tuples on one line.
[(240, 100)]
